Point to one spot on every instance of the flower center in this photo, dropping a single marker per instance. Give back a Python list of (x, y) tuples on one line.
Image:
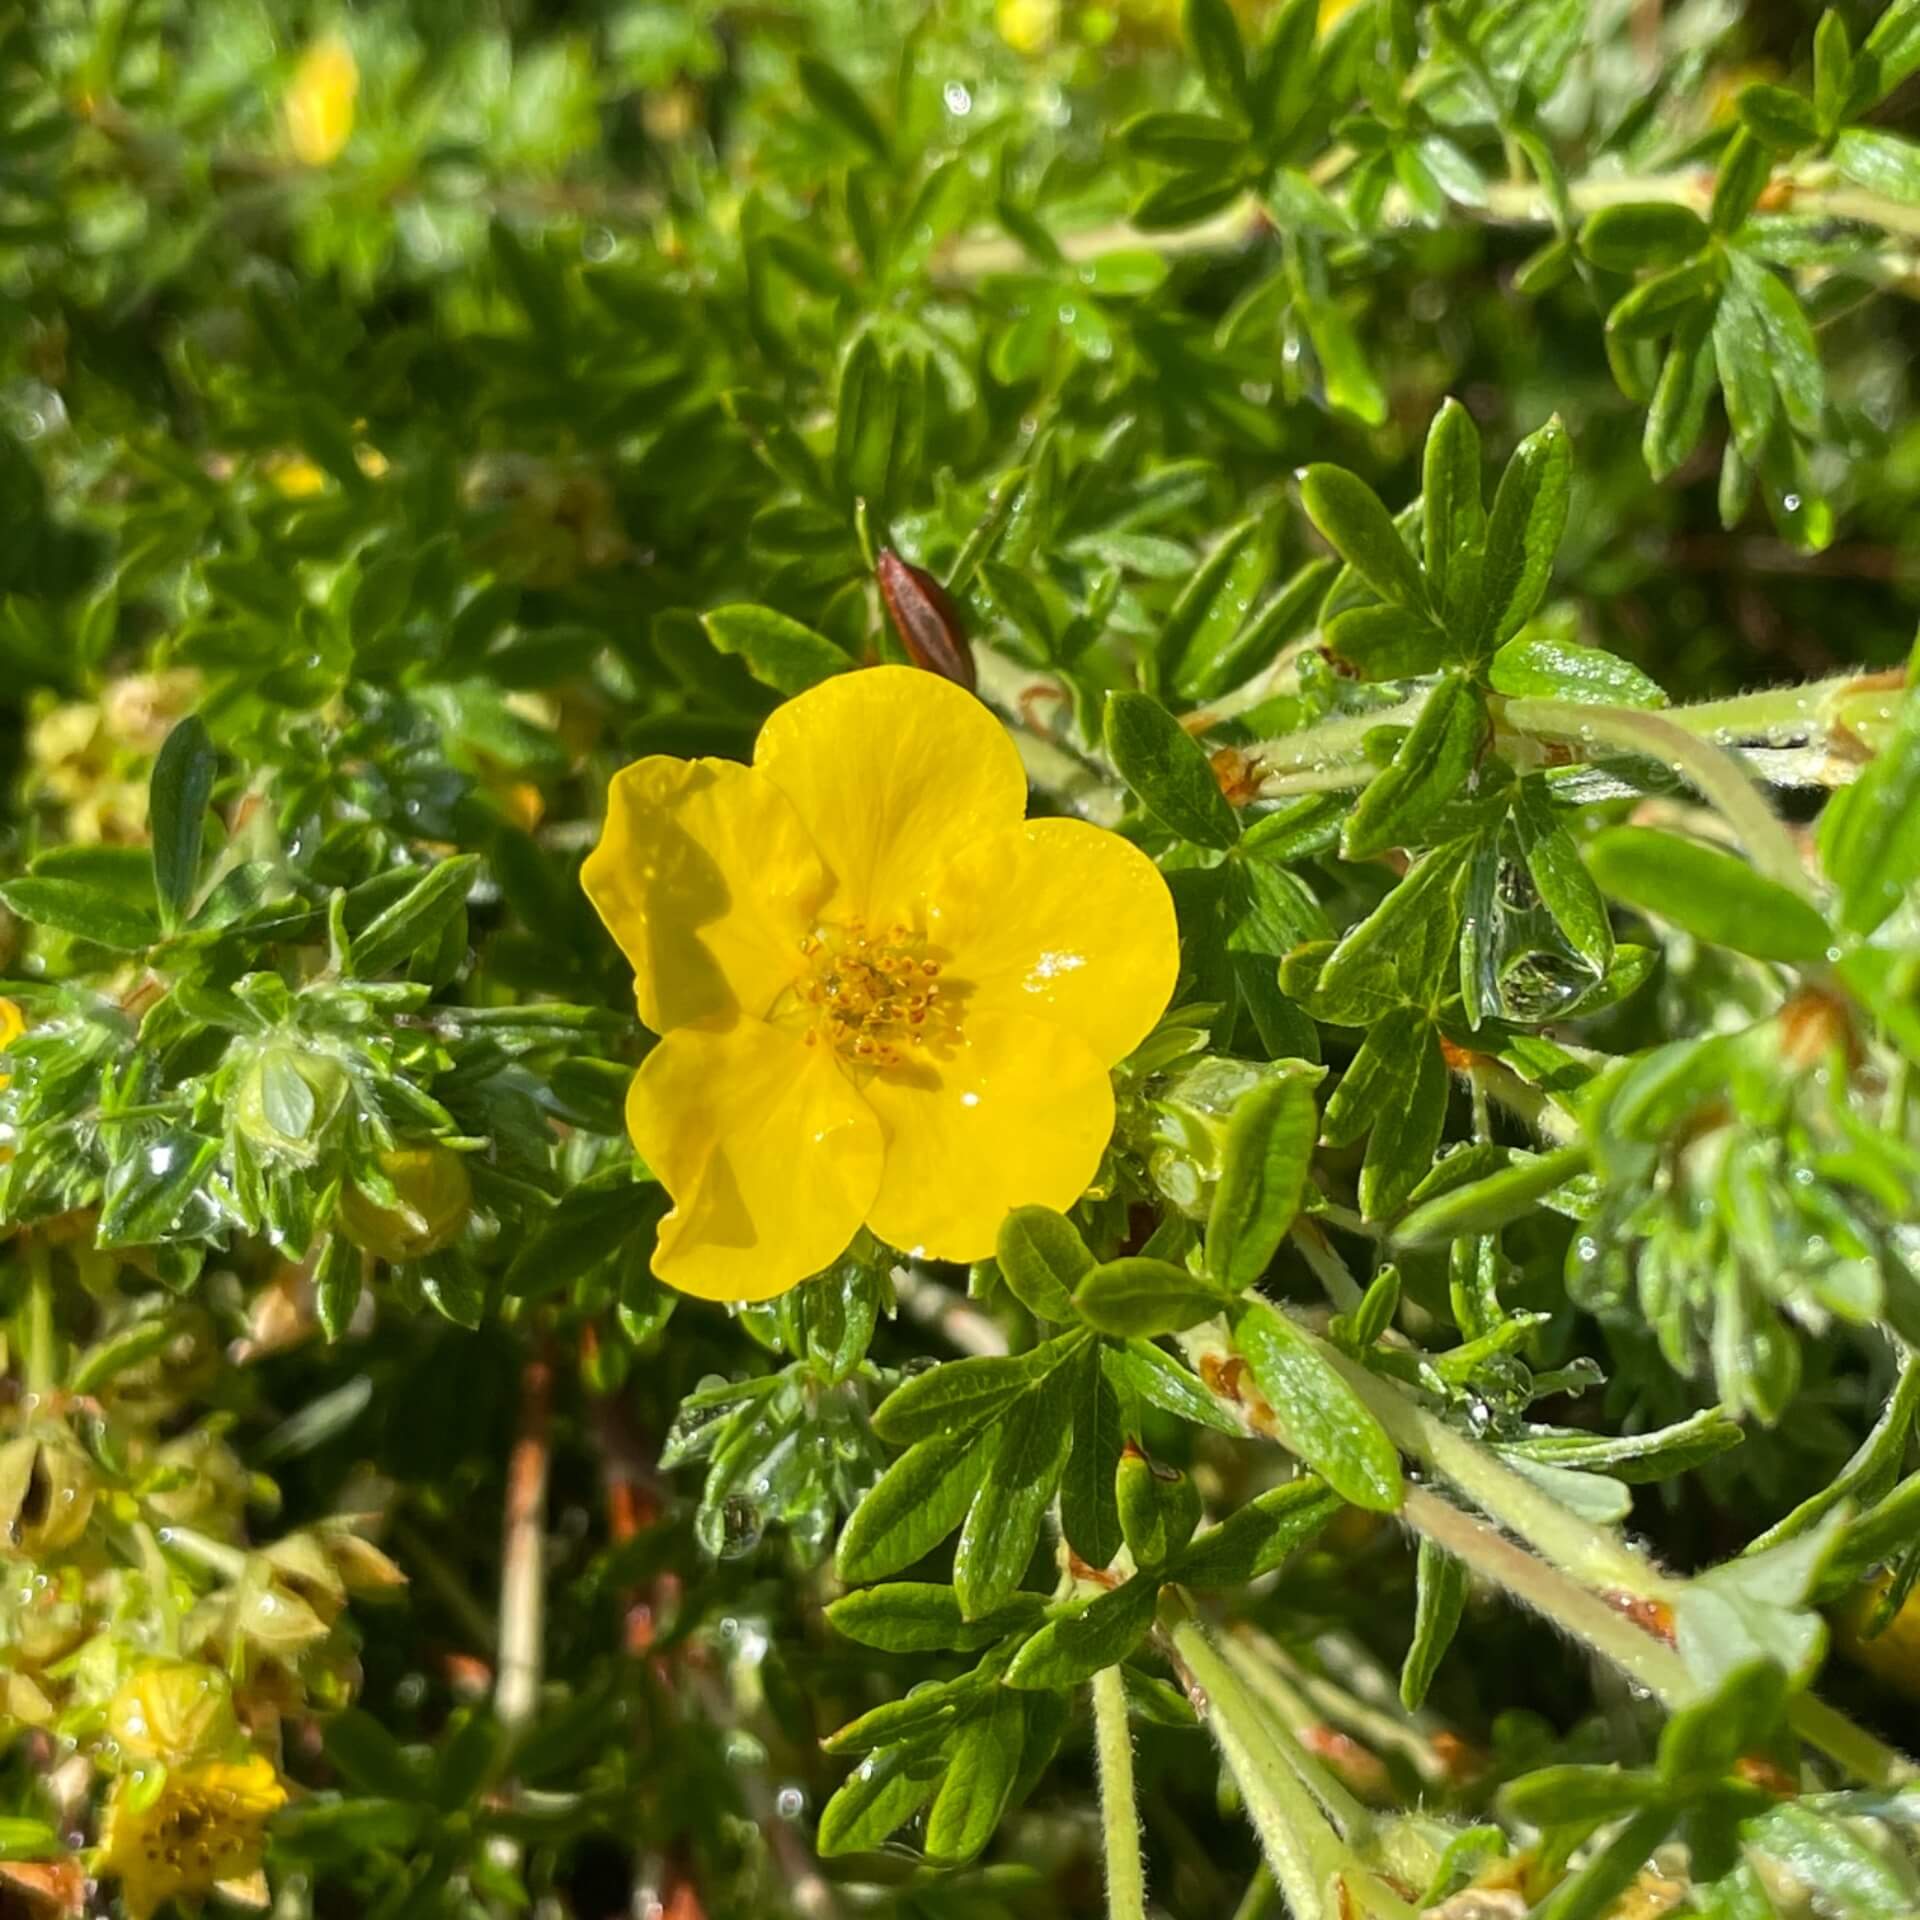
[(875, 998)]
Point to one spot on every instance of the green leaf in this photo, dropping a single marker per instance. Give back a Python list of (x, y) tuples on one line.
[(1258, 1537), (1263, 1174), (1793, 356), (962, 1393), (1742, 355), (1433, 765), (1440, 1596), (1486, 1205), (1870, 832), (1746, 164), (983, 1762), (1286, 615), (1713, 895), (1757, 1608), (416, 921), (1158, 1507), (1042, 1258), (1350, 381), (1161, 1381), (1003, 1524), (781, 652), (1198, 142), (881, 1795), (1532, 665), (1360, 529), (1089, 1513), (178, 793), (85, 912), (1832, 71), (1642, 233), (1566, 890), (1891, 53), (1214, 35), (1678, 416), (1168, 771), (1186, 199), (1213, 603), (1782, 118), (1075, 1645), (914, 1505), (1658, 304), (836, 101), (1880, 162), (910, 1616), (1137, 1297), (1455, 515), (1320, 1418), (1405, 1133), (1523, 533), (1386, 642)]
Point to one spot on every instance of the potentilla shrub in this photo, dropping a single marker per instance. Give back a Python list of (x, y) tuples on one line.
[(959, 962)]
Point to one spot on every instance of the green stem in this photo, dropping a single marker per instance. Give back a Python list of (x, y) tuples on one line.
[(228, 1562), (1775, 716), (1309, 1860), (1316, 749), (1119, 1811), (1610, 1872), (1257, 1902), (1719, 777), (1350, 1819), (1327, 1267)]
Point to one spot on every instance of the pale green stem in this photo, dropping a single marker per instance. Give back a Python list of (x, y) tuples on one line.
[(228, 1562), (1327, 1267), (1350, 1819), (1508, 203), (1119, 1811), (1719, 777), (1257, 1902), (1569, 1606), (1316, 749), (1776, 716), (42, 1358), (1525, 1102), (1313, 1866)]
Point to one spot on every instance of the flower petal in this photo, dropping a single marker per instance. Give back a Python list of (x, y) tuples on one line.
[(894, 771), (1019, 1114), (706, 877), (1062, 920), (771, 1157)]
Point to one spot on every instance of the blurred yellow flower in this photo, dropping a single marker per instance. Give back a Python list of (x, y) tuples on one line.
[(319, 101), (204, 1828), (13, 1023), (1028, 26), (886, 997)]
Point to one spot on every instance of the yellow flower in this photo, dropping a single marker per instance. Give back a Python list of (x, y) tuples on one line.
[(886, 998), (172, 1710), (319, 101), (13, 1023), (204, 1828), (1028, 26)]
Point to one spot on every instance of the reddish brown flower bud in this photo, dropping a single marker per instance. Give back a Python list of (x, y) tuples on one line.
[(926, 620)]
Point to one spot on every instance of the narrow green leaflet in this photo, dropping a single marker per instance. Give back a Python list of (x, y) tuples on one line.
[(787, 656), (1002, 1526), (1532, 665), (907, 1616), (1263, 1174), (1523, 534), (914, 1505), (1360, 529), (1166, 768), (1711, 894), (1432, 766), (983, 1762), (1137, 1296), (1440, 1599), (1320, 1418), (1042, 1259), (1454, 512), (1870, 832), (181, 786), (1074, 1645)]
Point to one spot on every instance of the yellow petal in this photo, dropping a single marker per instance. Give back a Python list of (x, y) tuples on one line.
[(707, 879), (771, 1157), (319, 101), (1017, 1115), (894, 770), (1061, 920)]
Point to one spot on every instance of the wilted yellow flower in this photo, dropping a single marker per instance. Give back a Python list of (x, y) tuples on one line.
[(172, 1710), (204, 1828), (886, 997), (319, 101)]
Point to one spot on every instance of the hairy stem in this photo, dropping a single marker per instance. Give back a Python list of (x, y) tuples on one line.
[(42, 1359), (1717, 775), (523, 1586), (1119, 1811)]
